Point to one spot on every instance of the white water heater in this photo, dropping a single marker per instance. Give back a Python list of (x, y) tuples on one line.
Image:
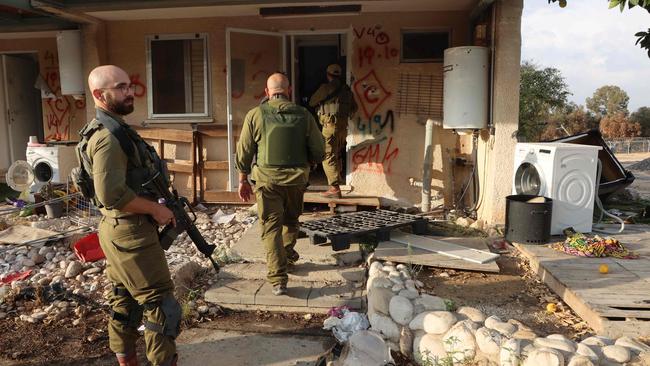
[(68, 44), (465, 88)]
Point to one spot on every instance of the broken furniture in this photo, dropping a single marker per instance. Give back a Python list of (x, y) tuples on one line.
[(342, 229), (613, 176)]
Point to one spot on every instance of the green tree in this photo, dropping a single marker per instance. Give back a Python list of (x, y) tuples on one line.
[(642, 117), (543, 92), (643, 37), (608, 100)]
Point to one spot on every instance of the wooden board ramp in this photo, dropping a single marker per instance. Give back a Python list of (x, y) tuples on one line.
[(400, 253), (444, 248), (614, 304), (347, 200)]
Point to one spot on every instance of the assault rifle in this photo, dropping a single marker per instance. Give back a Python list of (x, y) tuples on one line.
[(183, 221)]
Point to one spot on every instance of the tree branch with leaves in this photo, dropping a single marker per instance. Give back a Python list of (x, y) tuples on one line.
[(643, 37)]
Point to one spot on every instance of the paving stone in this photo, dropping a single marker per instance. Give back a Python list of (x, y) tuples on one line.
[(234, 291), (334, 295), (297, 295)]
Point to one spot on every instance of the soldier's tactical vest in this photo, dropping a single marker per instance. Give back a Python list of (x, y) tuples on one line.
[(139, 171), (283, 140), (338, 102)]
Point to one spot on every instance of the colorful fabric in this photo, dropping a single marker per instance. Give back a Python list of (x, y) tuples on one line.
[(581, 245)]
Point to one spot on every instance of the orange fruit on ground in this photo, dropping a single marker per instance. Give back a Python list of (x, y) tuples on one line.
[(604, 269), (551, 308), (562, 3)]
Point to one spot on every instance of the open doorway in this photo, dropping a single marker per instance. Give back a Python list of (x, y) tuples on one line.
[(312, 54), (22, 103)]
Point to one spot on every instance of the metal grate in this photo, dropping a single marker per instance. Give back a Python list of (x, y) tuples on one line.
[(341, 229), (420, 95)]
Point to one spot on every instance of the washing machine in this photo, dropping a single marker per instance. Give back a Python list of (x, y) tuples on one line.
[(564, 172), (51, 163)]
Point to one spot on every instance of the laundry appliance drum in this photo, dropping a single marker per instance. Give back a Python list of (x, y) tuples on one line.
[(528, 180), (43, 172)]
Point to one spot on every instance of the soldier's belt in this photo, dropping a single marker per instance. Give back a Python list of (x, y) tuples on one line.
[(128, 220)]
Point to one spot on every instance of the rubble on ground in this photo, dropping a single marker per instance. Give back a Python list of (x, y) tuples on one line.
[(72, 286), (433, 331)]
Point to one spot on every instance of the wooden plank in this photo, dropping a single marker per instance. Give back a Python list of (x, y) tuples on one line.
[(444, 248), (398, 252), (224, 197), (181, 167), (215, 165), (166, 134), (345, 200)]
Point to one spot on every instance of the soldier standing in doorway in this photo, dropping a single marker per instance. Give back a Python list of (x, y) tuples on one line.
[(334, 103), (115, 162), (285, 141)]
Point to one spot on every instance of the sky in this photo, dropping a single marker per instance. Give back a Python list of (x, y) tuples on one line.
[(591, 45)]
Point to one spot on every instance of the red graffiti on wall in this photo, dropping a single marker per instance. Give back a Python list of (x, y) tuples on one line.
[(375, 159), (371, 93), (140, 89), (375, 32), (59, 111), (366, 55)]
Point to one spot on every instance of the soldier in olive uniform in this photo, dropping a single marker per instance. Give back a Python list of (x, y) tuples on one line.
[(285, 141), (334, 103), (135, 261)]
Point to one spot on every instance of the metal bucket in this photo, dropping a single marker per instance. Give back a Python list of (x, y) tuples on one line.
[(528, 219)]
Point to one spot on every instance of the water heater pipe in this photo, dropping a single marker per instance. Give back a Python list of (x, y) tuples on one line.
[(426, 166)]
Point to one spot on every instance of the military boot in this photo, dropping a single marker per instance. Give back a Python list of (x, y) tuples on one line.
[(333, 192), (127, 360)]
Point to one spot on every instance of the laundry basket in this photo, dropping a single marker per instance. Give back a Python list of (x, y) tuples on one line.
[(528, 219)]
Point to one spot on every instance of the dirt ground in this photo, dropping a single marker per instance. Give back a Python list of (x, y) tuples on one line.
[(642, 178)]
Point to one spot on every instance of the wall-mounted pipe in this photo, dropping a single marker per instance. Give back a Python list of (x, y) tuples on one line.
[(427, 166)]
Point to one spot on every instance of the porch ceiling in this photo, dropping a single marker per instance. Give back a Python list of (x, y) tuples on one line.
[(135, 10)]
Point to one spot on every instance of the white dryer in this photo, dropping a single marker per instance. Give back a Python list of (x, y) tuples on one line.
[(564, 172), (51, 163)]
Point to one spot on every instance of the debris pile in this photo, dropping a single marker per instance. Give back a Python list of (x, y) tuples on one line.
[(28, 271)]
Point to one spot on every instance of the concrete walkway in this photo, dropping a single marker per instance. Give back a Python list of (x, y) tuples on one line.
[(218, 347), (320, 280)]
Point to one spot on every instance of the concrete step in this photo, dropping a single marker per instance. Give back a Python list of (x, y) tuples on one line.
[(301, 271), (308, 297)]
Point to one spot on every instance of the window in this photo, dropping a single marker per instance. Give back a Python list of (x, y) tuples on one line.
[(424, 45), (177, 74)]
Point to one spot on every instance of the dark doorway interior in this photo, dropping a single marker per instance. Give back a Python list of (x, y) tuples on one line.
[(314, 54)]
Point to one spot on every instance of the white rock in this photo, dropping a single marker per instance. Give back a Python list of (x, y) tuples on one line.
[(379, 300), (401, 310), (632, 344), (587, 351), (478, 224), (460, 342), (388, 268), (203, 309), (599, 341), (430, 348), (92, 270), (28, 263), (384, 325), (39, 315), (27, 318), (472, 314), (431, 303), (57, 279), (73, 269), (464, 221), (409, 294), (617, 353), (578, 360), (418, 321), (544, 357), (510, 353), (397, 288), (438, 322), (380, 282), (558, 336), (417, 337), (491, 321), (488, 340), (563, 345)]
